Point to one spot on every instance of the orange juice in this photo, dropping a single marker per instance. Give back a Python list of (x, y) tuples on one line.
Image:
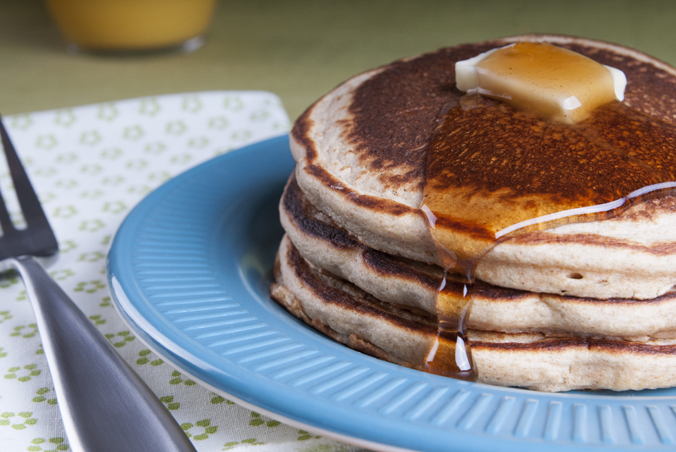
[(131, 24)]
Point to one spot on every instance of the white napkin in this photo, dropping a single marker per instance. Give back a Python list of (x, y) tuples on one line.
[(90, 165)]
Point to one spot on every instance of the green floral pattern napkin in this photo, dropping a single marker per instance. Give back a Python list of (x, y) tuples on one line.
[(90, 165)]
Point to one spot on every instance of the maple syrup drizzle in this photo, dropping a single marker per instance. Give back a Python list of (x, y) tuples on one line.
[(480, 191)]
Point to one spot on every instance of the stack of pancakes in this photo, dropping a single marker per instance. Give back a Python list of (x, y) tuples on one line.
[(585, 305)]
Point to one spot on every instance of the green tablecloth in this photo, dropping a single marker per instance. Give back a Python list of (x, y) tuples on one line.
[(299, 49)]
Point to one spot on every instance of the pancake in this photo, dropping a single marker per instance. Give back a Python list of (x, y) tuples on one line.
[(413, 286), (585, 302), (361, 154), (536, 361)]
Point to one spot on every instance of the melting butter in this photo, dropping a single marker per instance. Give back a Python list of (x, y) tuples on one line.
[(543, 79)]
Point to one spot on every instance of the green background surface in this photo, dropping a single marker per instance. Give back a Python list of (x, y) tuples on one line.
[(298, 49)]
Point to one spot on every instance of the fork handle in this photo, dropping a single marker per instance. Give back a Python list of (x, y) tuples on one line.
[(105, 406)]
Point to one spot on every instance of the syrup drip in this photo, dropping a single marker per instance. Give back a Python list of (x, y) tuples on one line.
[(480, 191)]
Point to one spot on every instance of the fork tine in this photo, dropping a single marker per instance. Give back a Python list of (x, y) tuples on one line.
[(5, 221), (28, 200)]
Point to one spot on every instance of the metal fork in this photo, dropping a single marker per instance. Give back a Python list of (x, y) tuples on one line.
[(105, 406)]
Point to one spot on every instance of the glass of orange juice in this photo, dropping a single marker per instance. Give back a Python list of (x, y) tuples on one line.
[(132, 25)]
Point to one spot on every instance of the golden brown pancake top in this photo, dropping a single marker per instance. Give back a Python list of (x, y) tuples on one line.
[(396, 111)]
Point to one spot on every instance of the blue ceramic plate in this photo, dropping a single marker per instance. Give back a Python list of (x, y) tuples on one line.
[(190, 268)]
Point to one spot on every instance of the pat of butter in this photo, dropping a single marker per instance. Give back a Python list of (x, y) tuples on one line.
[(541, 78)]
